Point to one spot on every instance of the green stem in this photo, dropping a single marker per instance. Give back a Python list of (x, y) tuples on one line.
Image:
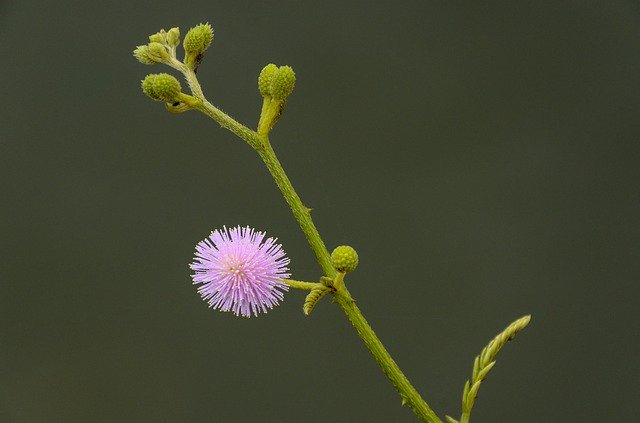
[(302, 214), (301, 284), (342, 295), (226, 121), (300, 211), (408, 393)]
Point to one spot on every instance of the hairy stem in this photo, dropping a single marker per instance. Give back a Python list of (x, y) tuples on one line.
[(261, 144), (408, 393), (302, 284), (342, 296), (300, 211)]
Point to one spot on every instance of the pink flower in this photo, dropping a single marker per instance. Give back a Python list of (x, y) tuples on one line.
[(239, 272)]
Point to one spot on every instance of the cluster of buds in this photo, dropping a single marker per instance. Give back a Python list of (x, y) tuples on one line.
[(275, 85), (162, 47)]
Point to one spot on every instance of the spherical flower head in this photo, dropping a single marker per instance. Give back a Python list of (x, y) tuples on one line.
[(344, 259), (239, 271)]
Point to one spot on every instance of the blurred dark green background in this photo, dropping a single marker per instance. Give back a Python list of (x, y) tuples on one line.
[(481, 156)]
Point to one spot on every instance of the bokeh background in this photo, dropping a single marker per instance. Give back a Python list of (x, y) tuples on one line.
[(481, 156)]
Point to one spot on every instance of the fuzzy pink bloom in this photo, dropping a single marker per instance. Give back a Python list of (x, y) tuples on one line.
[(239, 272)]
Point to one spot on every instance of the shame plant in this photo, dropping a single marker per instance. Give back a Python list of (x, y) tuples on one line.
[(239, 269)]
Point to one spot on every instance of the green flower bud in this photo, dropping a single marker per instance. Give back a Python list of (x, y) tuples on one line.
[(161, 87), (158, 52), (198, 39), (173, 37), (282, 83), (275, 85), (344, 259), (158, 37), (147, 87), (265, 78), (195, 43), (142, 54)]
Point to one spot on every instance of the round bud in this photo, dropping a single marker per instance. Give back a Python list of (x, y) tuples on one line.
[(265, 78), (283, 82), (147, 86), (198, 39), (142, 54), (158, 37), (161, 87), (157, 52), (344, 259), (173, 37)]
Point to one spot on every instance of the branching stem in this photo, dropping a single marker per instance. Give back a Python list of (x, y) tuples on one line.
[(342, 297)]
